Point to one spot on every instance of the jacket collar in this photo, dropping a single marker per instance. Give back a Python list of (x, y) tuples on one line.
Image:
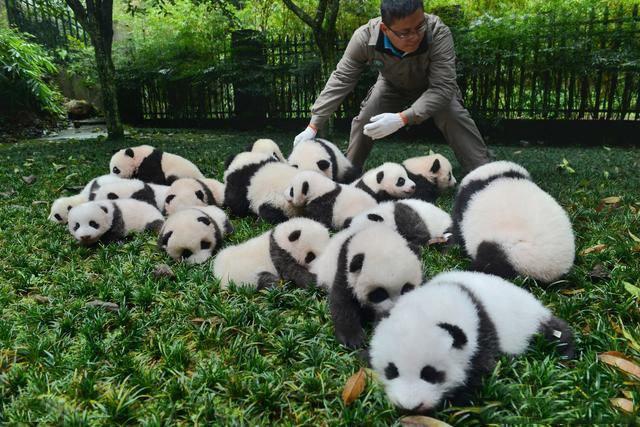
[(377, 38)]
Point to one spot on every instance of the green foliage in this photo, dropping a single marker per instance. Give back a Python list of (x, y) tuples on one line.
[(182, 351), (24, 68), (79, 60)]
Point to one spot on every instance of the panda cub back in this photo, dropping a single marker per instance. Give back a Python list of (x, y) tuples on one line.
[(324, 157), (438, 342), (237, 178)]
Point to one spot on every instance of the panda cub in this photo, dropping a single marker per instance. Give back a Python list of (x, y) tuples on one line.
[(153, 194), (373, 268), (509, 226), (61, 206), (193, 234), (112, 220), (432, 174), (186, 192), (388, 181), (415, 220), (152, 165), (256, 182), (325, 157), (438, 342), (287, 252), (267, 146), (325, 201)]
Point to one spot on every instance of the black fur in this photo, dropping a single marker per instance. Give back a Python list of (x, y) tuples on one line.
[(351, 174), (272, 214), (332, 158), (154, 226), (217, 233), (237, 184), (267, 280), (346, 176), (410, 225), (287, 267), (458, 335), (565, 343), (117, 230), (150, 169), (208, 195), (228, 227), (464, 196), (346, 311), (380, 196), (93, 189), (485, 357), (491, 259), (171, 179), (321, 208), (425, 189), (145, 194)]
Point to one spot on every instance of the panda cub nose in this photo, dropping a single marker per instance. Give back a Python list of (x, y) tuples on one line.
[(85, 237)]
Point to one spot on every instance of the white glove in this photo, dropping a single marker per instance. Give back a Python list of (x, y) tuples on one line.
[(308, 133), (383, 124)]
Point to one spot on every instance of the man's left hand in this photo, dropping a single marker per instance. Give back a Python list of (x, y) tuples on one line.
[(384, 124)]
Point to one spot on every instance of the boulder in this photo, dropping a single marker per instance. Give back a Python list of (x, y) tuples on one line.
[(79, 109)]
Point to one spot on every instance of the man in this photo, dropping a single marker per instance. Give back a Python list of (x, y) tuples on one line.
[(414, 55)]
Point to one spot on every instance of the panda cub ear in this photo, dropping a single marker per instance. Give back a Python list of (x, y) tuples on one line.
[(294, 235), (458, 335), (323, 164), (435, 167), (129, 152), (356, 263), (112, 196), (375, 218), (104, 208), (164, 240), (379, 176)]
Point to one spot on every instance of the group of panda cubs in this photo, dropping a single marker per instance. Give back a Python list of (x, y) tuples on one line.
[(431, 342)]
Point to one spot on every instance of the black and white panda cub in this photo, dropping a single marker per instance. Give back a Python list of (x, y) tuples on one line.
[(326, 201), (259, 146), (432, 174), (438, 342), (373, 268), (153, 194), (325, 157), (388, 181), (185, 192), (193, 234), (415, 220), (286, 252), (60, 207), (256, 182), (509, 226), (112, 220), (152, 165)]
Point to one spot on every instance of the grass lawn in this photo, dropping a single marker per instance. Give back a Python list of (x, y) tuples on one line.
[(182, 351)]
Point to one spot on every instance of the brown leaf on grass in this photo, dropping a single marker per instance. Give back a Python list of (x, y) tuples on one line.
[(354, 387), (622, 403), (163, 270), (599, 272), (620, 361), (29, 179), (572, 291), (39, 202), (627, 393), (110, 306), (594, 249), (422, 421), (198, 321), (40, 299), (437, 241), (611, 200)]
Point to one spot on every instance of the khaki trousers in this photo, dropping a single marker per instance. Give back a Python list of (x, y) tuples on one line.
[(454, 121)]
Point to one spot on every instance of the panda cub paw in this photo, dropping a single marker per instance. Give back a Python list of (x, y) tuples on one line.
[(351, 337)]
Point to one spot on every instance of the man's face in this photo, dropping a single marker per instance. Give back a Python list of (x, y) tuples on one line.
[(406, 33)]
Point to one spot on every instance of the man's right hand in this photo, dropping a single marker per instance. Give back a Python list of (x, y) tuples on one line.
[(308, 133)]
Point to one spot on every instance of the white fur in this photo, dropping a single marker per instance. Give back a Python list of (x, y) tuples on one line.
[(268, 185), (395, 181), (306, 155), (136, 215), (63, 205), (410, 337), (243, 159), (528, 224), (443, 177), (492, 169), (268, 146), (349, 203), (182, 231), (182, 194), (125, 188), (243, 263)]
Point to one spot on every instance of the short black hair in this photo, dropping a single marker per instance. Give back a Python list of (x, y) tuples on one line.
[(390, 10)]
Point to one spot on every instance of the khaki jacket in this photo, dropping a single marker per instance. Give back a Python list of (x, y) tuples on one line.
[(430, 76)]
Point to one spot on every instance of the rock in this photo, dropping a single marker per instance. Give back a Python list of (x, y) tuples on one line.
[(79, 109), (110, 306)]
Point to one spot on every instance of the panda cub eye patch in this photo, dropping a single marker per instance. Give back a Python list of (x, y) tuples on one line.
[(391, 371), (200, 195), (116, 170), (58, 217), (310, 257), (408, 287), (169, 198), (204, 244), (432, 375), (75, 227), (94, 224), (378, 295), (400, 182), (291, 192)]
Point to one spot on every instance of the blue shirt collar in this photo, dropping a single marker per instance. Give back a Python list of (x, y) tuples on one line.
[(392, 48)]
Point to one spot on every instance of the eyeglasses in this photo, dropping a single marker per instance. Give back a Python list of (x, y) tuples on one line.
[(411, 33)]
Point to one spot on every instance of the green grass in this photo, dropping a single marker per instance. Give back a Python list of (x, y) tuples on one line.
[(270, 357)]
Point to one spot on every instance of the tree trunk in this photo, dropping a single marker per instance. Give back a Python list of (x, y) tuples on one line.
[(107, 75)]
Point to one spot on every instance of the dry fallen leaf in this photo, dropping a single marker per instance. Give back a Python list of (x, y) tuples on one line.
[(622, 403), (354, 387), (627, 393), (599, 272), (620, 361), (110, 306), (611, 200), (422, 421), (163, 270), (40, 299), (594, 249), (29, 179), (437, 241), (634, 237)]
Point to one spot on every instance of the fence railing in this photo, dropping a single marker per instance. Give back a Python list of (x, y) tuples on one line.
[(52, 23)]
